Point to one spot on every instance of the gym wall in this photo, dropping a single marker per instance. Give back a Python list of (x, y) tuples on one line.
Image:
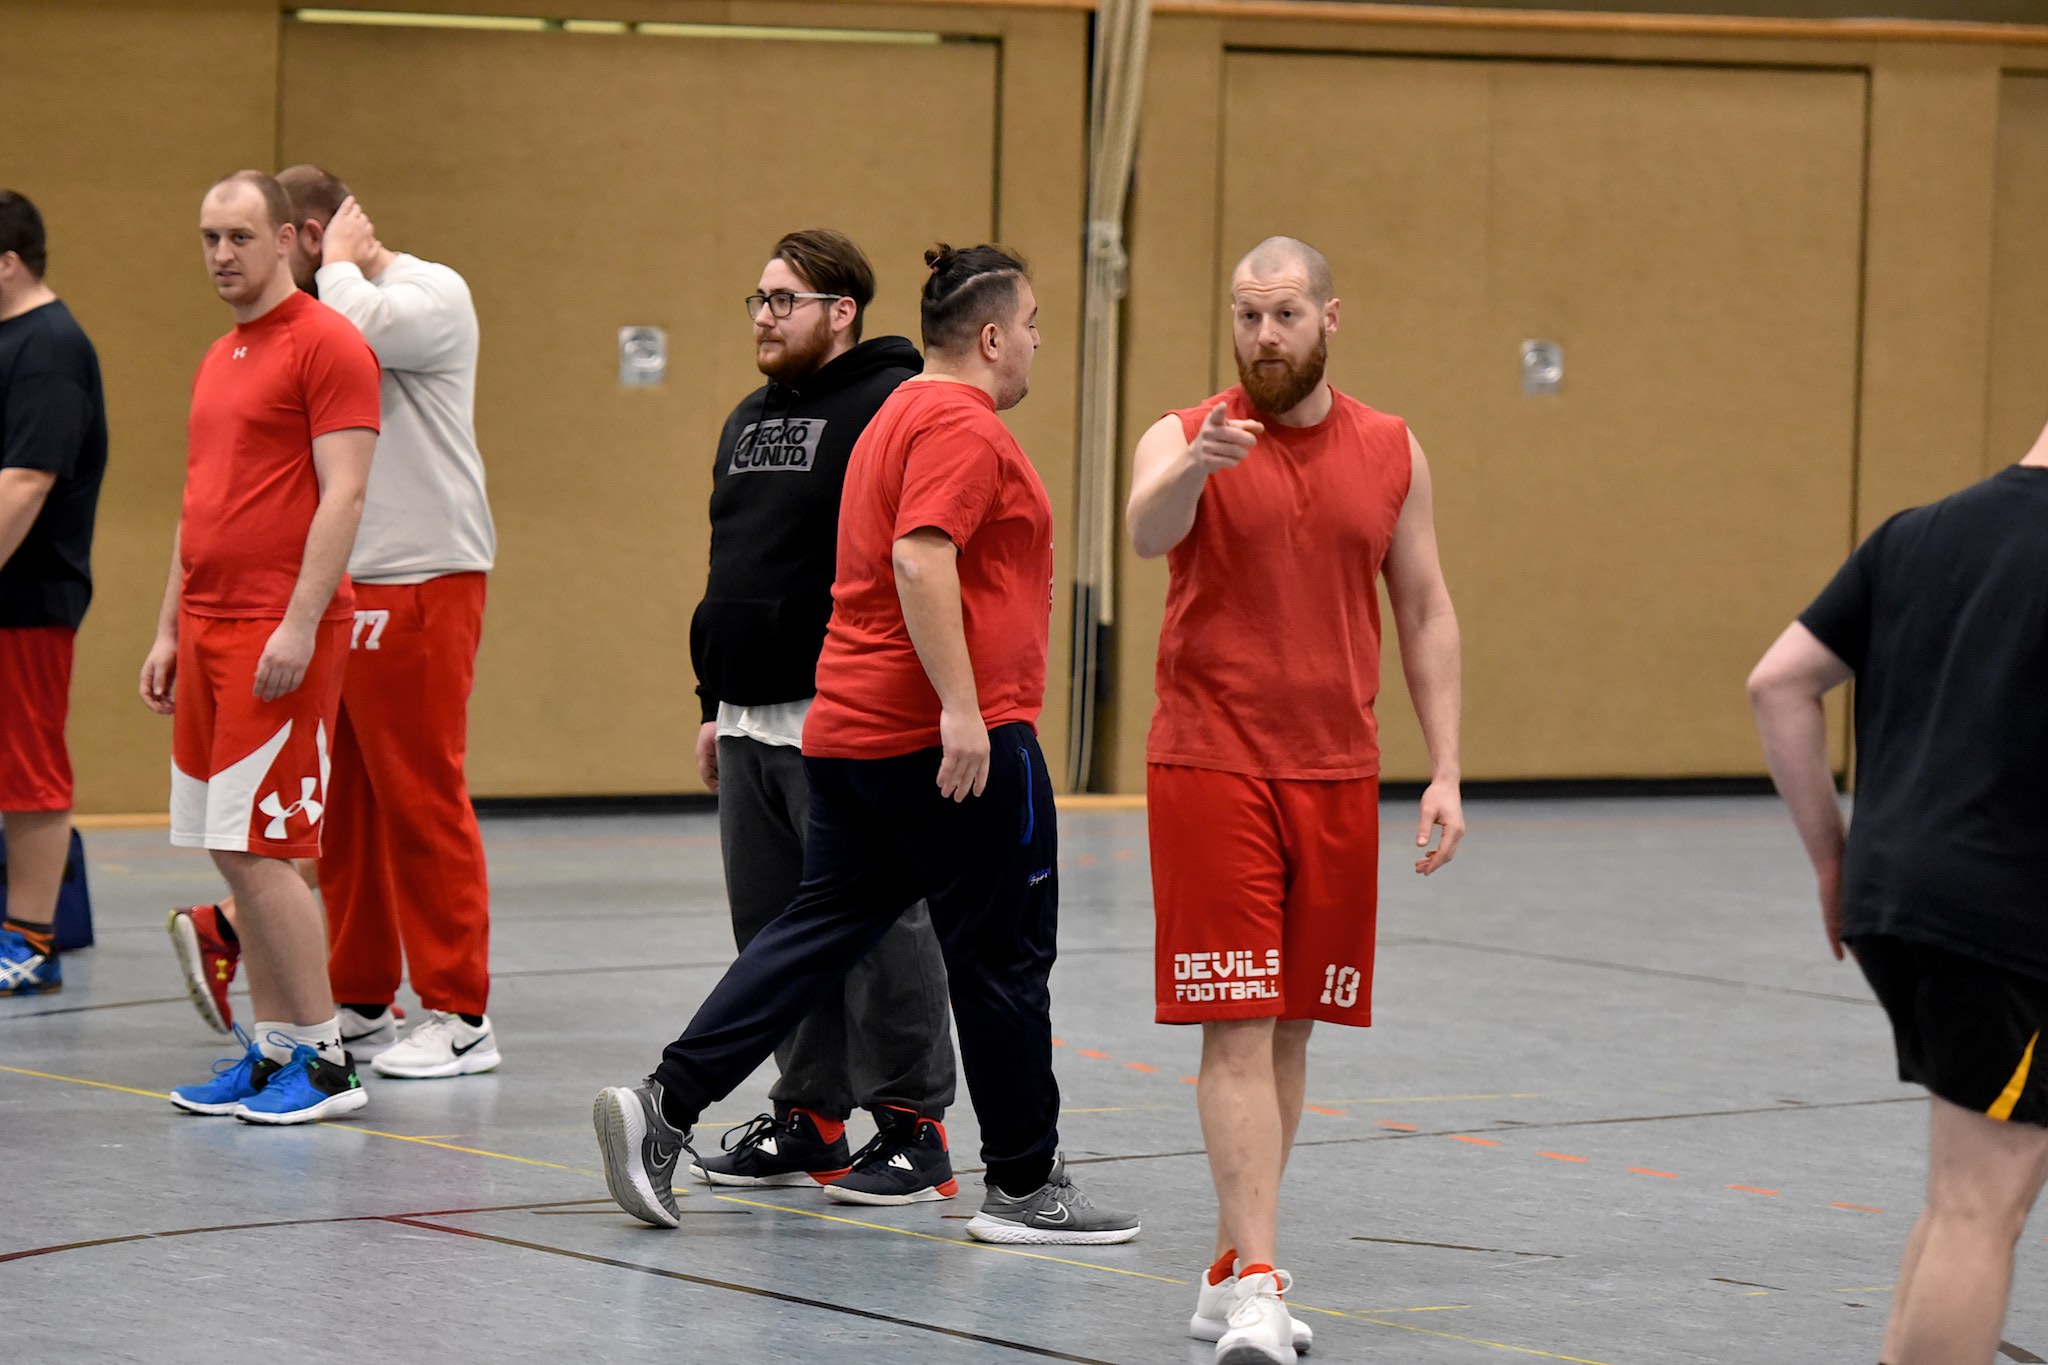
[(582, 181), (1796, 273), (1797, 277)]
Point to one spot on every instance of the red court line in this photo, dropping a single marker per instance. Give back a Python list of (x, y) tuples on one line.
[(1401, 1127), (1864, 1208), (1475, 1141), (1091, 1052), (1318, 1109), (1190, 1080), (1751, 1189), (1560, 1156), (1645, 1170), (1140, 1066), (1059, 1042)]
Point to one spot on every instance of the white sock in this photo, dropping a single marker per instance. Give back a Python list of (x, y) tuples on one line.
[(324, 1038)]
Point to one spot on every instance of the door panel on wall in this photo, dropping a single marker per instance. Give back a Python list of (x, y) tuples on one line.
[(2018, 400), (1623, 550), (583, 184)]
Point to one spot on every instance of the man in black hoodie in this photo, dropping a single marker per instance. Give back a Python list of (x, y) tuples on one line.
[(881, 1041)]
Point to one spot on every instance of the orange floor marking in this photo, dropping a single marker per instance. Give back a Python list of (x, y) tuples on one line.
[(1751, 1189), (1475, 1141), (1191, 1080), (1318, 1109), (1402, 1127), (1059, 1042), (1645, 1170), (1124, 854), (1560, 1156), (1087, 860), (1140, 1066), (1864, 1208), (1091, 1052)]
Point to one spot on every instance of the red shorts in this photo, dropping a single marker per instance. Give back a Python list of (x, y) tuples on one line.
[(1265, 894), (250, 776), (35, 681)]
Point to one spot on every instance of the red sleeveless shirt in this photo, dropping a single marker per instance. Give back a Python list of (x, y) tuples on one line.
[(1269, 657)]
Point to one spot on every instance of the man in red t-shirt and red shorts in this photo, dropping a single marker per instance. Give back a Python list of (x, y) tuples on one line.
[(1279, 504), (253, 636)]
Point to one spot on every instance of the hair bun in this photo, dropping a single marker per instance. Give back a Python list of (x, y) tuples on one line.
[(939, 257)]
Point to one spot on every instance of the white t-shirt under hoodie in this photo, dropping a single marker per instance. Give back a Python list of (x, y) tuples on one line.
[(425, 513)]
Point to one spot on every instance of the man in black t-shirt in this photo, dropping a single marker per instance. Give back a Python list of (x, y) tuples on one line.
[(1940, 884), (53, 452)]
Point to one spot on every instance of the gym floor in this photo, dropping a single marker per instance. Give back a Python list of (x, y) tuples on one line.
[(1620, 1106)]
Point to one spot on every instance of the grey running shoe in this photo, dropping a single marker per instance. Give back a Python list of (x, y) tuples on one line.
[(641, 1149), (1054, 1214)]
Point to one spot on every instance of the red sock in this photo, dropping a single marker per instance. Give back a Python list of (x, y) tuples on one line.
[(1261, 1268), (829, 1129), (1221, 1270)]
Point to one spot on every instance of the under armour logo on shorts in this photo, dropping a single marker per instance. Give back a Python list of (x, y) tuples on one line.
[(279, 812)]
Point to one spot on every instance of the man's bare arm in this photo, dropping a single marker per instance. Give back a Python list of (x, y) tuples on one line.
[(160, 666), (342, 461), (928, 584), (1430, 658), (22, 494), (1786, 689), (1169, 472)]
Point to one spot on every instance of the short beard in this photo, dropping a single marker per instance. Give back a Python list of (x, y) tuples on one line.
[(801, 356), (1282, 393)]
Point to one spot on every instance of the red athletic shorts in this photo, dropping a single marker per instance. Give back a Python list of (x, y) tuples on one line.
[(35, 697), (1265, 895), (250, 776)]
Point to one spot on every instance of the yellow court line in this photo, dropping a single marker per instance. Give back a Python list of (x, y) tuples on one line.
[(1428, 1099), (451, 1147), (854, 1222), (330, 1123), (80, 1080), (949, 1241)]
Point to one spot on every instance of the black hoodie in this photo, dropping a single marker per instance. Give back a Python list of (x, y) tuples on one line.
[(775, 525)]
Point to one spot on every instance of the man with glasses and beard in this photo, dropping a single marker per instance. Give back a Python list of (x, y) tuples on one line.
[(1263, 760), (881, 1039)]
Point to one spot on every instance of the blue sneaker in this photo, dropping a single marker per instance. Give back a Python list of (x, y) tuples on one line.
[(235, 1079), (23, 970), (306, 1090)]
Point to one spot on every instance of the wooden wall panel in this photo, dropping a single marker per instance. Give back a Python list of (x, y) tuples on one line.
[(2018, 405), (1622, 553), (119, 116), (647, 188), (1927, 309)]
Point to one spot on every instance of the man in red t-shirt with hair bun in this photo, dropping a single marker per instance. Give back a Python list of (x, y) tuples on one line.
[(1263, 766), (926, 780), (253, 635)]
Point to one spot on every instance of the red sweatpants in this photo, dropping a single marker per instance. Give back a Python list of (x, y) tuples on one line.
[(402, 864)]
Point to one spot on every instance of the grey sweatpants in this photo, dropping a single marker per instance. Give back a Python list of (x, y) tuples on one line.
[(884, 1036)]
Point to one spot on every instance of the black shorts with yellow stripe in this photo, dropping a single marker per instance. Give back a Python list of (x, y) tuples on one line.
[(1968, 1031)]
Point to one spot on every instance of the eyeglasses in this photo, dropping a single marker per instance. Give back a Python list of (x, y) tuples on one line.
[(781, 303)]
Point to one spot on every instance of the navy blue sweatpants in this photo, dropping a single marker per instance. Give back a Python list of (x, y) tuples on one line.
[(880, 838)]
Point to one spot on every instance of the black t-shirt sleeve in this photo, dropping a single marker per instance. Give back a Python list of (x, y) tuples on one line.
[(1840, 617), (48, 415)]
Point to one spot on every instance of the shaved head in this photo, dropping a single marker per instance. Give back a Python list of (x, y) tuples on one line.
[(1284, 255)]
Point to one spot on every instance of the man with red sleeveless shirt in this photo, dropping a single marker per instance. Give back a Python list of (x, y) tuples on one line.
[(253, 635), (1263, 760)]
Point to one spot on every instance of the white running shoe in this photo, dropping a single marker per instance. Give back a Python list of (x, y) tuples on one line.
[(1212, 1308), (1261, 1332), (363, 1037), (441, 1044)]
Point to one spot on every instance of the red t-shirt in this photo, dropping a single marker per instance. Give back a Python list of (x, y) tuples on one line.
[(934, 456), (263, 392), (1269, 658)]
